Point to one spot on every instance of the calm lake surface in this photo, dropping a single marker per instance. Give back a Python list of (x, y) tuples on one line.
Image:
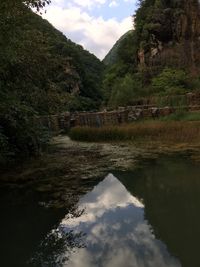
[(148, 217)]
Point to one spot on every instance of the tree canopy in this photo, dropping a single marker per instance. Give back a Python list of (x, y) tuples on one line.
[(9, 5)]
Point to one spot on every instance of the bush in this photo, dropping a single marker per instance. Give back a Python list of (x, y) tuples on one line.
[(182, 116), (171, 82), (80, 103), (125, 91), (21, 134), (172, 101)]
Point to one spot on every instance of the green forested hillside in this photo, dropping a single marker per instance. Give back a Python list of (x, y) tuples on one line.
[(112, 56), (121, 64), (41, 72)]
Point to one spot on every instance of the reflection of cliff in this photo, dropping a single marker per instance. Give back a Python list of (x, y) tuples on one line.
[(170, 189)]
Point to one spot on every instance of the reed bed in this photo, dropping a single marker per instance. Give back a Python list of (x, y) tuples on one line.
[(182, 116), (173, 131)]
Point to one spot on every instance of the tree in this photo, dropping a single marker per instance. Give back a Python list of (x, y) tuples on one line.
[(9, 5), (125, 91), (38, 4)]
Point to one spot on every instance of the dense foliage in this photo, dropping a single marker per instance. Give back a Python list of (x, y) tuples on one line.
[(41, 72)]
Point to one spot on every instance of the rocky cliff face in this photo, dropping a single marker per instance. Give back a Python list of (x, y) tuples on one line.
[(174, 38)]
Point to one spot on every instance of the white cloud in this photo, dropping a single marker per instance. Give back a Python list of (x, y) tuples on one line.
[(95, 34), (113, 4), (107, 196), (89, 3), (58, 2)]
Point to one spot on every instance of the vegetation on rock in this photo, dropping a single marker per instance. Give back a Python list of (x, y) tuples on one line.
[(160, 56)]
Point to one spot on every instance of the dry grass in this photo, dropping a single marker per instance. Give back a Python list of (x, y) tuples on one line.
[(184, 132)]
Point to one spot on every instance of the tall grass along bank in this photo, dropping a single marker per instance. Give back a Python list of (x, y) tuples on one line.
[(171, 131)]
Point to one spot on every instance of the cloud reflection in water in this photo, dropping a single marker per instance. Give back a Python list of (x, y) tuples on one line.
[(116, 232)]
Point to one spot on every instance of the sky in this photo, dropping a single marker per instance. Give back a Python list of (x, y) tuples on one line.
[(94, 24)]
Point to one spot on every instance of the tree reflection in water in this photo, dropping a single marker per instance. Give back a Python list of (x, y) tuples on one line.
[(55, 249)]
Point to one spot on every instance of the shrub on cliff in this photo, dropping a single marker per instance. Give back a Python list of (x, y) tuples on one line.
[(171, 82)]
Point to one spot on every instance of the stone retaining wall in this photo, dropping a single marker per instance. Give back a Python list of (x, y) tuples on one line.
[(64, 121), (56, 123), (99, 119)]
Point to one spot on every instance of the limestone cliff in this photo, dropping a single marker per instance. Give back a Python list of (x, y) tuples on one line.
[(173, 36)]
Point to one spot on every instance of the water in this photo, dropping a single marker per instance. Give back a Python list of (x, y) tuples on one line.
[(148, 217)]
